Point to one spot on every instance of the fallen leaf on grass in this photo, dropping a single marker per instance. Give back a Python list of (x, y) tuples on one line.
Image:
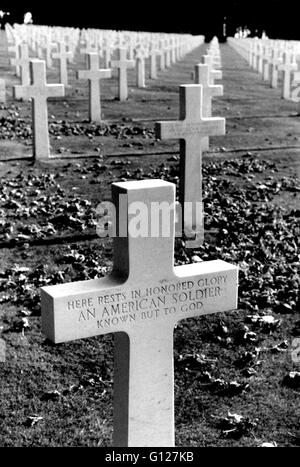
[(51, 396), (248, 359), (194, 362), (248, 372), (266, 323), (235, 425), (231, 388), (272, 444), (245, 335), (282, 347), (292, 380), (33, 420)]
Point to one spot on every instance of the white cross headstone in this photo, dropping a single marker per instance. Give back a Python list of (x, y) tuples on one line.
[(63, 56), (2, 90), (22, 61), (259, 58), (209, 91), (275, 61), (167, 53), (122, 64), (190, 130), (49, 50), (140, 303), (295, 92), (15, 49), (173, 50), (94, 74), (140, 68), (39, 91), (287, 67), (213, 73), (107, 53), (251, 57), (153, 68), (162, 61), (266, 64)]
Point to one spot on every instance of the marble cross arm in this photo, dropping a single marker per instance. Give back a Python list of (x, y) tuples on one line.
[(216, 74), (55, 90), (105, 73), (83, 74), (217, 90), (14, 61), (58, 55), (296, 77), (120, 63), (21, 92), (101, 306)]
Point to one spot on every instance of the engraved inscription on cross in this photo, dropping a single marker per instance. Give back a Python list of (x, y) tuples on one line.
[(39, 91), (190, 130), (122, 64), (140, 302), (94, 74)]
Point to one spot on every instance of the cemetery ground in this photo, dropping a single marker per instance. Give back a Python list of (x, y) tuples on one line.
[(226, 365)]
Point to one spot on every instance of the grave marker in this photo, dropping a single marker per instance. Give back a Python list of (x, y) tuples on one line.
[(190, 130), (295, 97), (2, 90), (251, 58), (209, 91), (275, 61), (287, 67), (122, 64), (63, 56), (49, 50), (107, 53), (173, 50), (260, 58), (22, 61), (162, 61), (140, 302), (140, 68), (15, 49), (94, 74), (256, 54), (39, 91), (266, 63), (213, 74), (153, 54), (167, 50)]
